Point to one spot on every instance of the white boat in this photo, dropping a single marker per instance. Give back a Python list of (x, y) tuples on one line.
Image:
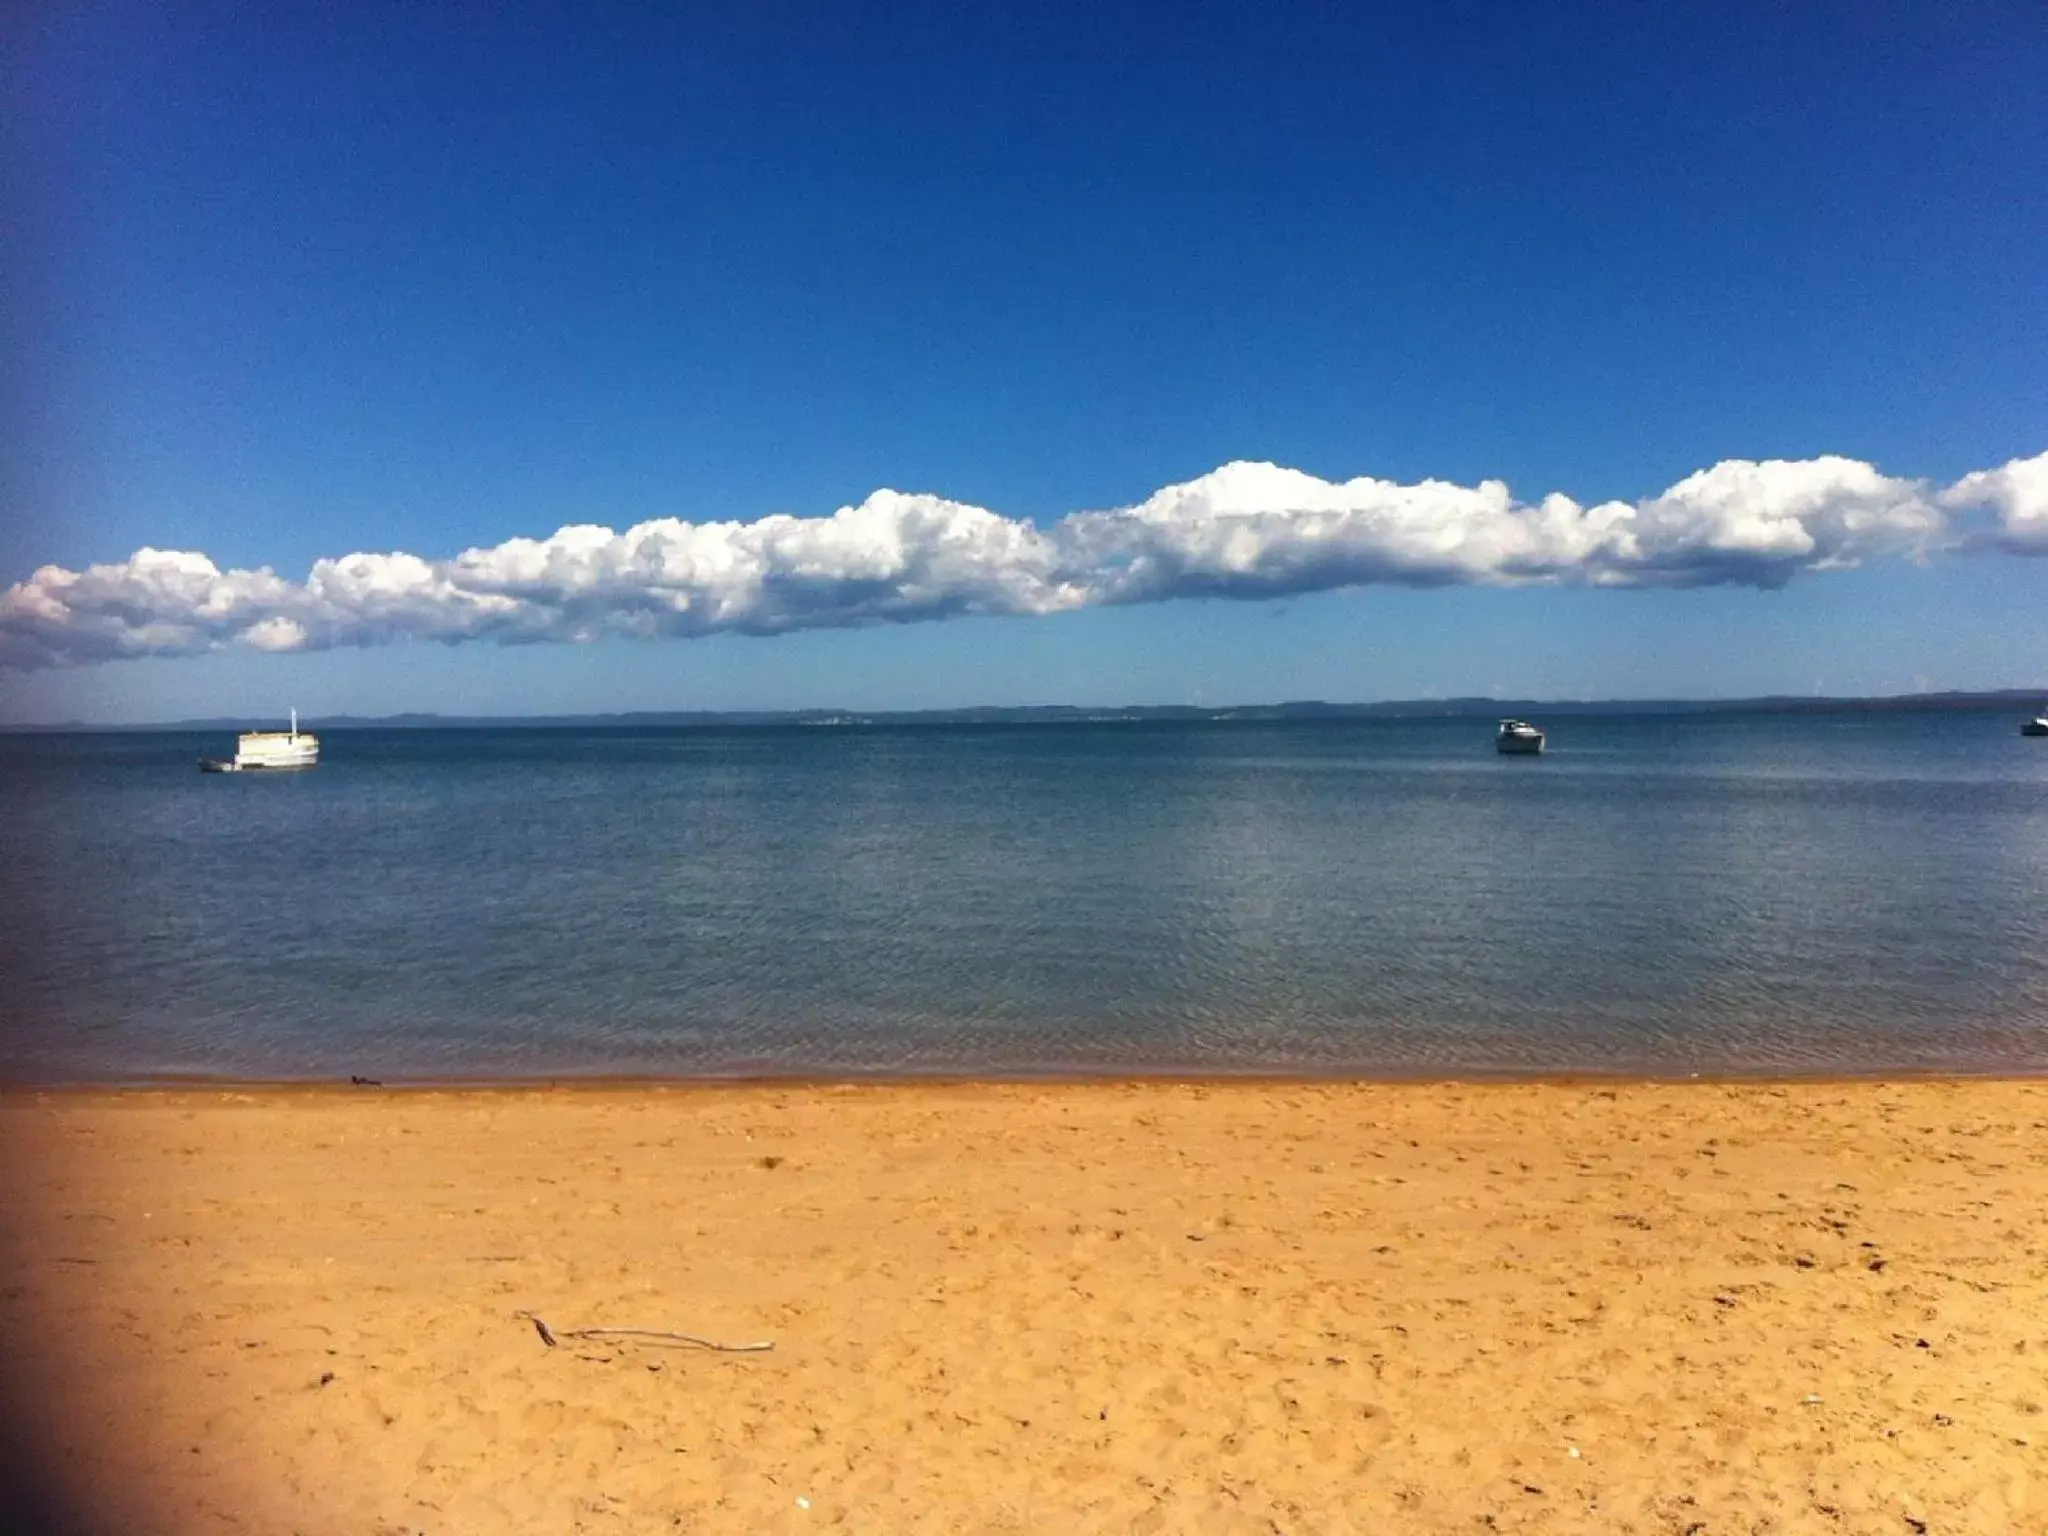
[(267, 750), (2038, 726), (1518, 736)]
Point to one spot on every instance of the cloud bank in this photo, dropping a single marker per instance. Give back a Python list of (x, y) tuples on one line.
[(1245, 530)]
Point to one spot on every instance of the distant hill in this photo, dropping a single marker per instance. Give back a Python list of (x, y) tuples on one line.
[(2016, 699)]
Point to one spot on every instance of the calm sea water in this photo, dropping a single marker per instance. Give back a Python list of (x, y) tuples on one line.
[(1663, 895)]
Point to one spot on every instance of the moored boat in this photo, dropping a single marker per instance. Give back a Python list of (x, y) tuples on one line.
[(268, 750), (1518, 736)]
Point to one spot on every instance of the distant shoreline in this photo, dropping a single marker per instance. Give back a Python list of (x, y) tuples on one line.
[(1469, 707)]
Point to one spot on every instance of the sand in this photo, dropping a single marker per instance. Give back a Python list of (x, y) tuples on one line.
[(1246, 1307)]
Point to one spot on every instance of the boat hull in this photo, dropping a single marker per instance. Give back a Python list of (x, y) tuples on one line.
[(237, 765), (1519, 746), (2035, 728)]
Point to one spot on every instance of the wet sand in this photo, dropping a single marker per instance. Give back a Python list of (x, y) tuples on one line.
[(1655, 1308)]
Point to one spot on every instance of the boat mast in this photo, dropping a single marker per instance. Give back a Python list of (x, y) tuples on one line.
[(295, 724)]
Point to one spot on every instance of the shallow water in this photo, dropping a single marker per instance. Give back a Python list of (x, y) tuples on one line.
[(1657, 894)]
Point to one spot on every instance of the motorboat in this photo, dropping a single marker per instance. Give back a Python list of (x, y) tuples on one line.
[(2038, 726), (1518, 736), (268, 750)]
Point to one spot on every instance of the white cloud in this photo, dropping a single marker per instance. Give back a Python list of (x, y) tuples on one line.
[(2017, 495), (1244, 530), (156, 603), (1257, 529), (276, 633)]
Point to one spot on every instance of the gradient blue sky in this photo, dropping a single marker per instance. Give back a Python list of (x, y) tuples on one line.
[(290, 282)]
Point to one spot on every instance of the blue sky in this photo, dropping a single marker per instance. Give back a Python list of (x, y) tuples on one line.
[(301, 282)]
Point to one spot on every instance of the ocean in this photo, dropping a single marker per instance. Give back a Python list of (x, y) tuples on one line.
[(1723, 894)]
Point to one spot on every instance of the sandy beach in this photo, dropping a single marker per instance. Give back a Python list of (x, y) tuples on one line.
[(1683, 1308)]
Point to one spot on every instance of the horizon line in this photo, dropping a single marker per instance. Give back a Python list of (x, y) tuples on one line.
[(1461, 704)]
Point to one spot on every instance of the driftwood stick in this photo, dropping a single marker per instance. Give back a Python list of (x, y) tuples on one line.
[(650, 1335), (663, 1336)]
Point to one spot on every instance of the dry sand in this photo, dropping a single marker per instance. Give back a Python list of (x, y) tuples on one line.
[(1661, 1308)]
